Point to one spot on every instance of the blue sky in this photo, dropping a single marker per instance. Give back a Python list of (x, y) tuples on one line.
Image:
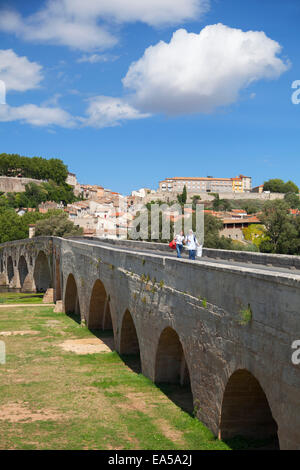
[(212, 96)]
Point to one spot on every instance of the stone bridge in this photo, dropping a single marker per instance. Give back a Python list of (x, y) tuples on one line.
[(223, 325)]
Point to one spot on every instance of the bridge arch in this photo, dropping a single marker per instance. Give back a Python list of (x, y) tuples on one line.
[(170, 363), (23, 271), (129, 342), (99, 310), (171, 368), (245, 409), (72, 304), (3, 277), (41, 274), (10, 269)]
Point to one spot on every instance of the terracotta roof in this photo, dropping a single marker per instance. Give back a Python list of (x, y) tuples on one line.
[(117, 214), (248, 220), (189, 178)]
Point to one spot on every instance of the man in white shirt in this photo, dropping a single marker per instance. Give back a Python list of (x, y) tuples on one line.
[(192, 243)]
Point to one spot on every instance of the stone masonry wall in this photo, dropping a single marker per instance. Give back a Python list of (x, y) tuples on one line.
[(15, 185), (203, 304)]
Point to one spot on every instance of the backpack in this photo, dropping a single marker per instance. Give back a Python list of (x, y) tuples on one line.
[(172, 245)]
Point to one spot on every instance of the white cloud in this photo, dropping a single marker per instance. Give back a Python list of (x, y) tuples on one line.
[(193, 73), (84, 24), (152, 12), (106, 111), (54, 25), (196, 73), (102, 111), (18, 73), (95, 58), (37, 115), (52, 101)]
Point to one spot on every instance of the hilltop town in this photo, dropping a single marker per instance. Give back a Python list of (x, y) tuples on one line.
[(106, 213), (234, 204)]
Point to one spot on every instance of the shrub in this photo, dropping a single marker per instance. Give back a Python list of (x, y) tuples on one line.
[(245, 315)]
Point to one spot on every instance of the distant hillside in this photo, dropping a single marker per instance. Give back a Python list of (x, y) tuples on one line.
[(38, 168), (27, 182)]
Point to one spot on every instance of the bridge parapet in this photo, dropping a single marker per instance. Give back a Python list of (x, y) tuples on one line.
[(267, 259)]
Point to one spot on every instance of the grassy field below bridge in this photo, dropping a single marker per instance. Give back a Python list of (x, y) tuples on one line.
[(53, 398)]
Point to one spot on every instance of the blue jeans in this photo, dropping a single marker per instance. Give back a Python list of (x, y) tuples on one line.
[(192, 254), (179, 249)]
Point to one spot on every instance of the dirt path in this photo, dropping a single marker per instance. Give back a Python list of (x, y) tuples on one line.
[(25, 305)]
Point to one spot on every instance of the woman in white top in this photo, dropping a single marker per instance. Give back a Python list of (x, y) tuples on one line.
[(179, 244), (192, 243)]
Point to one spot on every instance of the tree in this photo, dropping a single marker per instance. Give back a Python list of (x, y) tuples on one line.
[(225, 205), (57, 224), (277, 185), (255, 233), (291, 187), (282, 229), (15, 227), (195, 200), (183, 196), (292, 200), (216, 202), (11, 226), (220, 204), (36, 167), (212, 239), (36, 193), (251, 207)]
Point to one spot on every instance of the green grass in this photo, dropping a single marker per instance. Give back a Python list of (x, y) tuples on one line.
[(94, 401), (20, 298), (245, 315)]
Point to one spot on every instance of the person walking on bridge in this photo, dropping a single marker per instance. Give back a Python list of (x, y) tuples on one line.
[(179, 239), (192, 243)]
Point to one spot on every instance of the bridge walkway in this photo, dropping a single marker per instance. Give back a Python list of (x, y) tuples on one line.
[(204, 259)]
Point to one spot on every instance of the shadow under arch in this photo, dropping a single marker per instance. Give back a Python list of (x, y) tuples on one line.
[(71, 301), (57, 279), (246, 413), (129, 343), (99, 312), (41, 274), (10, 269), (171, 370), (23, 271)]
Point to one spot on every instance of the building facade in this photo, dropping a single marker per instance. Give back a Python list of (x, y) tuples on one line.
[(206, 185)]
